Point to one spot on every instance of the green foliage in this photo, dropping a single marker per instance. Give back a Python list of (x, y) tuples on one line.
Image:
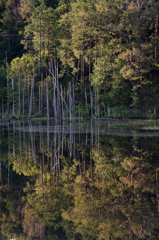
[(24, 64), (26, 7)]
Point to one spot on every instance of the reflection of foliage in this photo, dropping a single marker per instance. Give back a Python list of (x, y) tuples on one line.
[(116, 201), (113, 195), (25, 166)]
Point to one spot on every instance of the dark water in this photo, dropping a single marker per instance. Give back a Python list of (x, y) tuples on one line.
[(93, 180)]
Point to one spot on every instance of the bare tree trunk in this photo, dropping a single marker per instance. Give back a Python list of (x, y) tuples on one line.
[(13, 97), (24, 144), (43, 148), (83, 66), (7, 87), (39, 62), (47, 98), (70, 141), (8, 156), (33, 89), (70, 101), (39, 99), (55, 77), (28, 88), (58, 100), (73, 112), (90, 63), (59, 144), (86, 102), (86, 137), (95, 102), (32, 143), (54, 102), (14, 138), (98, 103), (30, 105), (91, 134), (63, 114), (91, 100), (23, 93), (79, 125), (41, 92), (91, 164), (19, 93), (156, 33), (77, 71), (20, 145), (48, 142), (55, 156)]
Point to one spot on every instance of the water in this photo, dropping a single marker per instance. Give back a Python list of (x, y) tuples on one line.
[(96, 180)]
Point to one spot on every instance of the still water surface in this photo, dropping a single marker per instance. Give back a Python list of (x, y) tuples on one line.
[(93, 180)]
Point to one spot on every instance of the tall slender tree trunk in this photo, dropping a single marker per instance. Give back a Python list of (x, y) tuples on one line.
[(41, 93), (8, 156), (39, 99), (90, 62), (24, 92), (31, 96), (33, 89), (98, 103), (91, 100), (95, 102), (86, 102), (48, 142), (47, 98), (14, 138), (39, 62), (54, 101), (78, 65), (7, 86), (20, 143), (13, 97), (156, 35), (63, 114), (19, 95), (73, 112), (70, 101), (28, 88)]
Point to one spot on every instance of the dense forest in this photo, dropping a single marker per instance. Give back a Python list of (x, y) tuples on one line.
[(89, 58)]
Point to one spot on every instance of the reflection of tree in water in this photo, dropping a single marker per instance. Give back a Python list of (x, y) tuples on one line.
[(119, 201), (109, 190)]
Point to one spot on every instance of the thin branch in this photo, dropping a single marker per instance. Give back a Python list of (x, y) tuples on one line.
[(38, 113), (120, 9)]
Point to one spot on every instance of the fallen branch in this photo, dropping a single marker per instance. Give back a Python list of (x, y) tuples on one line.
[(38, 112), (110, 119)]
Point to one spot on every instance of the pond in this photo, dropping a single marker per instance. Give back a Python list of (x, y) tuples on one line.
[(79, 180)]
